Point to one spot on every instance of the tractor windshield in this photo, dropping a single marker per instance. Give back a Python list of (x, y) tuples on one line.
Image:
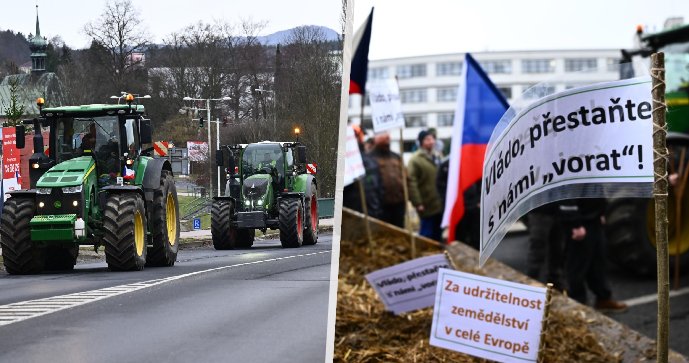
[(263, 159), (96, 136)]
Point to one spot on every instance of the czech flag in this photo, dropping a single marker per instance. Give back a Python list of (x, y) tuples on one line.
[(360, 42), (479, 108)]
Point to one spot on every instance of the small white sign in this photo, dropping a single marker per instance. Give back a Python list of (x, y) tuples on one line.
[(386, 109), (354, 166), (486, 317), (409, 285)]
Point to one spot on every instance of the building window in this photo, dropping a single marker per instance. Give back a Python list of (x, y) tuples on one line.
[(448, 69), (415, 121), (581, 64), (541, 90), (378, 73), (538, 65), (613, 64), (446, 94), (446, 119), (409, 146), (411, 70), (506, 92), (417, 95), (497, 66)]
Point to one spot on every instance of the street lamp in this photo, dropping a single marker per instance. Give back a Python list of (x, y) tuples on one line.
[(217, 136), (261, 90)]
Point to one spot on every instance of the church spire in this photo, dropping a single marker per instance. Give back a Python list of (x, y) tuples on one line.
[(38, 46), (38, 28)]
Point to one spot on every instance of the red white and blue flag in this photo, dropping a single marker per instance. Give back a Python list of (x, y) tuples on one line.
[(360, 43), (480, 105)]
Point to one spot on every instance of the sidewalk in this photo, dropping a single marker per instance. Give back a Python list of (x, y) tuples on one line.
[(324, 224)]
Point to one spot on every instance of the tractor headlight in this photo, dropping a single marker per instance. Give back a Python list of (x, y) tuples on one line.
[(75, 203), (43, 190), (75, 189), (246, 202), (41, 204), (259, 202)]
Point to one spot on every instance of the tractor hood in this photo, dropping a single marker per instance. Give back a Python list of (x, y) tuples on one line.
[(256, 186), (67, 173)]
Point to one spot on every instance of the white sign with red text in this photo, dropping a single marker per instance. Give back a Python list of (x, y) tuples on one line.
[(486, 317), (409, 285)]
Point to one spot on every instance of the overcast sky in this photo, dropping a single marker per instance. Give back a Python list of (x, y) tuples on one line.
[(162, 17), (408, 28)]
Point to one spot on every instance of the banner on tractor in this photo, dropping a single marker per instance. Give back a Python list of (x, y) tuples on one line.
[(409, 285), (593, 141), (386, 108), (486, 317), (11, 161), (197, 150)]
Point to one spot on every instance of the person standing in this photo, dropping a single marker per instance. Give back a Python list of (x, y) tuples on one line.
[(391, 193), (423, 171), (582, 222), (545, 245)]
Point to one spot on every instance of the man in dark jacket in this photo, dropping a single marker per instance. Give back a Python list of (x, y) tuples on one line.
[(390, 173), (582, 222), (423, 171)]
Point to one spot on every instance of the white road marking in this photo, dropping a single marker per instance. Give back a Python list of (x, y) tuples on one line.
[(654, 297), (12, 313)]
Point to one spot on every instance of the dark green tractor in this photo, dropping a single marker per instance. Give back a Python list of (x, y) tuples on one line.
[(267, 187), (94, 185), (631, 222)]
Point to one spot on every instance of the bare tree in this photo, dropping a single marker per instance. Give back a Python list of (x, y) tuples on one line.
[(120, 33)]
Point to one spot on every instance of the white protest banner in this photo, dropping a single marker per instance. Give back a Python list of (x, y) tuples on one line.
[(593, 141), (487, 317), (354, 166), (409, 285), (386, 109)]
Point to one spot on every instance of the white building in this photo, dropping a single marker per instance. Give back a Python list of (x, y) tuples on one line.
[(428, 84)]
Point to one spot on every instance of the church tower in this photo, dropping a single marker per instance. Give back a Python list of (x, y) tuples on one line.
[(38, 47)]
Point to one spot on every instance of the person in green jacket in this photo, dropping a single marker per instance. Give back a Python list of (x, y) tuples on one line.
[(423, 170)]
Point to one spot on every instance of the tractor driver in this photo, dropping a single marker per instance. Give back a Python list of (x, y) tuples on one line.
[(88, 140)]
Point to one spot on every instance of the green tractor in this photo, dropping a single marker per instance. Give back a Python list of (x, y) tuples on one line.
[(631, 222), (94, 185), (270, 188)]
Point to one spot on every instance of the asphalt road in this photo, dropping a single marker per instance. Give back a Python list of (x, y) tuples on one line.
[(638, 292), (266, 304)]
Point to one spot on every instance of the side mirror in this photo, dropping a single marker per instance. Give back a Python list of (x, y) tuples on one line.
[(21, 136), (301, 154), (219, 158), (145, 132)]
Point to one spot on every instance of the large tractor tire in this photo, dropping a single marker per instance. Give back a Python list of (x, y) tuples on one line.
[(61, 258), (291, 221), (311, 217), (245, 238), (223, 234), (124, 223), (164, 221), (20, 255)]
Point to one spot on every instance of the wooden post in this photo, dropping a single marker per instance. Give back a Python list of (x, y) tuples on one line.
[(544, 323), (407, 221), (364, 208), (660, 188)]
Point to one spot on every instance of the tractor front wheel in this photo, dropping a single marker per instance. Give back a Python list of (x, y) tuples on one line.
[(164, 223), (291, 222), (124, 223), (20, 255), (223, 234), (61, 258)]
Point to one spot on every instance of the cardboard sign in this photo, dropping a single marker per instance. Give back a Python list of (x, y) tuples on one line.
[(486, 317), (590, 141), (409, 285), (11, 161), (354, 166), (386, 108)]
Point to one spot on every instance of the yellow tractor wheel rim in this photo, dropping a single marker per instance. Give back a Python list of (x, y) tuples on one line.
[(139, 233), (171, 219)]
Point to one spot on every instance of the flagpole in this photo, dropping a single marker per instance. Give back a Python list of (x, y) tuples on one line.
[(362, 194), (407, 220)]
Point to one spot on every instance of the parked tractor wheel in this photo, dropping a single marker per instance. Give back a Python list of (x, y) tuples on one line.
[(311, 217), (164, 223), (61, 258), (124, 223), (224, 235), (20, 255), (291, 221), (245, 238)]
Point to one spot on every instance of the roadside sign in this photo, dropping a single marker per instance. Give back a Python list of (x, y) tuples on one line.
[(197, 223), (160, 148), (311, 168)]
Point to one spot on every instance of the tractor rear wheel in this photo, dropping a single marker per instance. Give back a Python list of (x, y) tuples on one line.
[(20, 255), (224, 235), (164, 223), (245, 238), (291, 221), (124, 223), (311, 217), (61, 258)]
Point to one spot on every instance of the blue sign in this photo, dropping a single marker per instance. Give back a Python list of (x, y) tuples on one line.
[(197, 223)]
